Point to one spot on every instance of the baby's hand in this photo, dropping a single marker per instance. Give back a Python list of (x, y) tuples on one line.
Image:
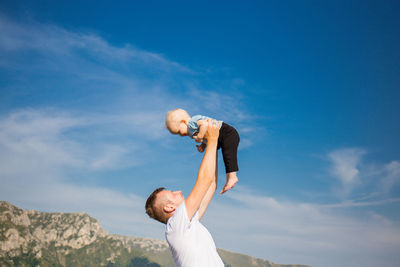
[(201, 147), (198, 139)]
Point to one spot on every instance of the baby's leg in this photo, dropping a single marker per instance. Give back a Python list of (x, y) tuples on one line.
[(229, 153)]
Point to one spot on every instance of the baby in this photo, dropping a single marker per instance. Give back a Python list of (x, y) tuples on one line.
[(179, 122)]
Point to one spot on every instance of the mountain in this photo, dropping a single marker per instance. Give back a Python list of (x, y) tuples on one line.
[(33, 238)]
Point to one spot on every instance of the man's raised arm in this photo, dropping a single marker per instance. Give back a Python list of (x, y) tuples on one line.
[(206, 174), (210, 193)]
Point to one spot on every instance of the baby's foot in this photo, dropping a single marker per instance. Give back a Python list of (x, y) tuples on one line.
[(231, 180)]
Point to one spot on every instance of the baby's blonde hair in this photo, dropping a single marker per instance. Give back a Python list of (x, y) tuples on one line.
[(173, 119)]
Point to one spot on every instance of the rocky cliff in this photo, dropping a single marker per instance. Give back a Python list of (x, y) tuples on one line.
[(32, 238), (20, 228)]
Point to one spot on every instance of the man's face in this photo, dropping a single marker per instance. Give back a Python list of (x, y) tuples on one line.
[(174, 197)]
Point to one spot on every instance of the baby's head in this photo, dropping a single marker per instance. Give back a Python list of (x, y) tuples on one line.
[(176, 121)]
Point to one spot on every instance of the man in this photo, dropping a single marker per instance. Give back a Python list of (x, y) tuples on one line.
[(190, 242)]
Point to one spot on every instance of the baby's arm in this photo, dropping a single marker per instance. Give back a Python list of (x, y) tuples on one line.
[(203, 125)]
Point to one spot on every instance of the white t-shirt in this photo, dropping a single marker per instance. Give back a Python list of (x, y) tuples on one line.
[(190, 242)]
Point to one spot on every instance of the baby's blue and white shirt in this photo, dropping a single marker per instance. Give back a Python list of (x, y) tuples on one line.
[(193, 127)]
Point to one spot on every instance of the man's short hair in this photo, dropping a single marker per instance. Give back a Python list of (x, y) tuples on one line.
[(153, 211)]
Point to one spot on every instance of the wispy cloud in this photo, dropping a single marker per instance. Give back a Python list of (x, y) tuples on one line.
[(353, 204), (53, 40), (353, 172), (391, 176), (42, 139), (345, 164)]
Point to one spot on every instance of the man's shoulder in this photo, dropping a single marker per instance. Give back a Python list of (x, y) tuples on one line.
[(180, 222), (178, 216)]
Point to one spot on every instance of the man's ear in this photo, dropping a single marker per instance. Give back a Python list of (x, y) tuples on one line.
[(169, 208)]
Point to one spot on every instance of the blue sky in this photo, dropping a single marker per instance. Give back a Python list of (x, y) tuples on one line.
[(312, 87)]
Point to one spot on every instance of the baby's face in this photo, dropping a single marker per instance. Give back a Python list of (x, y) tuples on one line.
[(183, 129)]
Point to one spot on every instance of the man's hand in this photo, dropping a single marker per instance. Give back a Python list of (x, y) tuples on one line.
[(213, 131)]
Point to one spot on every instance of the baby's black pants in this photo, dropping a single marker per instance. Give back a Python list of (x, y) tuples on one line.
[(228, 141)]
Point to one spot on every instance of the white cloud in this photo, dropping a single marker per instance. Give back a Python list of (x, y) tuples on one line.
[(345, 167), (376, 180), (29, 143), (391, 176), (38, 139), (352, 204)]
